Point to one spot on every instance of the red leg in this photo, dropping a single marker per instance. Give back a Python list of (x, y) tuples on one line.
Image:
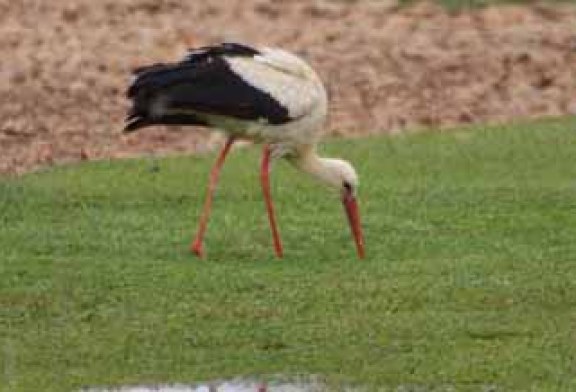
[(265, 179), (196, 245)]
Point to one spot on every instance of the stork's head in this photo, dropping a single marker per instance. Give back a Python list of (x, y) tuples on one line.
[(340, 175)]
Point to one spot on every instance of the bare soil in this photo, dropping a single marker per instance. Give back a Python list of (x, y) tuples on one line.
[(65, 65)]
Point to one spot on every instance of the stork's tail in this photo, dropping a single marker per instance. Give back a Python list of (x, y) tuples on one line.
[(147, 93), (136, 120), (138, 115)]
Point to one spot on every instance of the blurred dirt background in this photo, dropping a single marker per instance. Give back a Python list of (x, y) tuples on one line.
[(64, 66)]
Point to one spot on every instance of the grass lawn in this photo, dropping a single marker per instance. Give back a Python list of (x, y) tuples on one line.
[(469, 281)]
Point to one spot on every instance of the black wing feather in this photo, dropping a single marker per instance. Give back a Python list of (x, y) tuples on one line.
[(225, 49), (202, 83)]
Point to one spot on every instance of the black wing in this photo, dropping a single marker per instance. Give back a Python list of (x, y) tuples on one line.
[(203, 83)]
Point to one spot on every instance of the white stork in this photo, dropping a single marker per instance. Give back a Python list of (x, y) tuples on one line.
[(265, 95)]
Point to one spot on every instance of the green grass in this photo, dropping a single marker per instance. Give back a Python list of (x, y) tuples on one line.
[(469, 282)]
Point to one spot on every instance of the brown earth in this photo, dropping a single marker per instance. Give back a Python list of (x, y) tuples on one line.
[(65, 65)]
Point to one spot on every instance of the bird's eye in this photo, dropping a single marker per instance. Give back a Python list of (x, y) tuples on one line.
[(347, 186)]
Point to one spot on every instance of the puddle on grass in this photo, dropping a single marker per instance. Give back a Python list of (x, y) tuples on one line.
[(235, 385)]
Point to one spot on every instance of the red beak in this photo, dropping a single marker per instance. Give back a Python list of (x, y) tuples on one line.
[(351, 207)]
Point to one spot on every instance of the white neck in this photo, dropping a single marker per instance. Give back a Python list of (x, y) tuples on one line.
[(330, 171)]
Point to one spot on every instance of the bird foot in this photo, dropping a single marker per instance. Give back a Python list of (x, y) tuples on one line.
[(196, 248)]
